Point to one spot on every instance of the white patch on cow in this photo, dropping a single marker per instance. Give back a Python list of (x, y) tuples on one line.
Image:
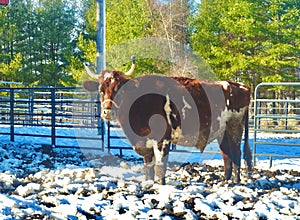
[(168, 109), (176, 134), (224, 117), (244, 87), (159, 154), (107, 76), (227, 114), (186, 106), (150, 143), (224, 84), (227, 102)]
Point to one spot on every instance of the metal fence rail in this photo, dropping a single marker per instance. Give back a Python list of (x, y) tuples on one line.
[(56, 108), (276, 111), (50, 107), (115, 138)]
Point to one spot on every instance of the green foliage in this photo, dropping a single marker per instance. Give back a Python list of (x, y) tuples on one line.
[(44, 33), (248, 40), (125, 20), (46, 42), (88, 48), (9, 71)]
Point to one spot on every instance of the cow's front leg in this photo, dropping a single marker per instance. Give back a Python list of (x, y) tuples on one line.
[(149, 166), (147, 152), (161, 154)]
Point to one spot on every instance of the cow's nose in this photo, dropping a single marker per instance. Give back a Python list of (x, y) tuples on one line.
[(107, 114)]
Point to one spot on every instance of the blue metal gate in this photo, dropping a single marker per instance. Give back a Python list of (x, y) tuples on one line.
[(53, 108), (277, 113)]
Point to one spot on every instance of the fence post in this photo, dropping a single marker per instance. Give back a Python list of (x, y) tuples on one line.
[(100, 122), (31, 103), (108, 135), (102, 133), (97, 113), (53, 135), (286, 115), (256, 124), (92, 110), (12, 119)]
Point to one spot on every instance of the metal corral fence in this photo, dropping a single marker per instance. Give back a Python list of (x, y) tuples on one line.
[(54, 108), (277, 113)]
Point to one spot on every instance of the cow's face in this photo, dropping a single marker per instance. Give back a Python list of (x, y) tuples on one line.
[(108, 85)]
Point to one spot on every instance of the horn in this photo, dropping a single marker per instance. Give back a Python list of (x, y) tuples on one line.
[(90, 71), (129, 72)]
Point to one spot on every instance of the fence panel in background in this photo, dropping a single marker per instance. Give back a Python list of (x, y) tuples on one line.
[(72, 108), (277, 114), (52, 108)]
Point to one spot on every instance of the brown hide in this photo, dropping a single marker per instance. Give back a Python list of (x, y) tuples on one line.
[(155, 111)]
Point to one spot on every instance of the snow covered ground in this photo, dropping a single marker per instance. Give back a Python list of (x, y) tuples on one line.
[(39, 182)]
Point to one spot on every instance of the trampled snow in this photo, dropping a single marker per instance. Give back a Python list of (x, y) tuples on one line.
[(39, 182)]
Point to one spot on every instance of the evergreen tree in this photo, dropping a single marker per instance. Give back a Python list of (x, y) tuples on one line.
[(39, 37), (247, 40), (56, 39), (10, 57)]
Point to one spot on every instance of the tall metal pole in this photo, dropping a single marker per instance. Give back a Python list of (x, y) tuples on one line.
[(100, 38)]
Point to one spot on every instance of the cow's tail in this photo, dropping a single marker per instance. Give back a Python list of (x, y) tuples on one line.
[(247, 149)]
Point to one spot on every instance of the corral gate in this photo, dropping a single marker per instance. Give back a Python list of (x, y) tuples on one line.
[(276, 113), (55, 109)]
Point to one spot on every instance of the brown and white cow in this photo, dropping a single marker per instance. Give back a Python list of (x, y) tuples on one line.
[(155, 111)]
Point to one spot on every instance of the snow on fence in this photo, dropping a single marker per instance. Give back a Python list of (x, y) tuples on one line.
[(54, 108), (276, 113)]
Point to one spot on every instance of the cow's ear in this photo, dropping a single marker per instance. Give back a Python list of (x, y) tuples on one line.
[(91, 86)]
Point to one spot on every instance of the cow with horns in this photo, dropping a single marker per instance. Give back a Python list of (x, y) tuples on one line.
[(155, 111)]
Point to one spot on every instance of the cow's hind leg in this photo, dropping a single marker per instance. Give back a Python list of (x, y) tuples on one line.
[(227, 165), (231, 153), (236, 160), (226, 155), (161, 153), (236, 137)]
